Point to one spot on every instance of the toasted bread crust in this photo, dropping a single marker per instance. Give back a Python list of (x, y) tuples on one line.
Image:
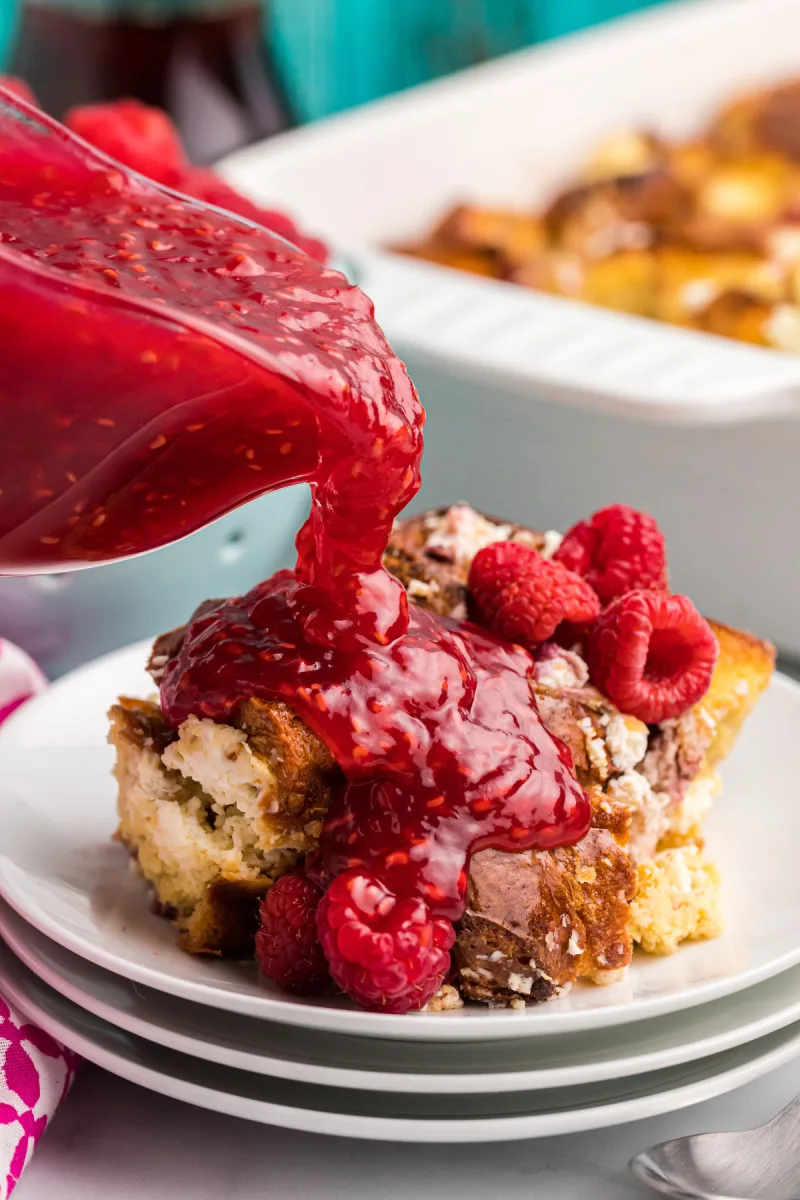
[(217, 914), (744, 668), (139, 723), (305, 768), (538, 920), (225, 922)]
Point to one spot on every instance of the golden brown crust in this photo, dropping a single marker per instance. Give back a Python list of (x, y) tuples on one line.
[(538, 920), (498, 232), (766, 119), (167, 645), (225, 921), (737, 314), (140, 723), (701, 233), (305, 769), (482, 241), (450, 594), (217, 914), (744, 668), (526, 910)]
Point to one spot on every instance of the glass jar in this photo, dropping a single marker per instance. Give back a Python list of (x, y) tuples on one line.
[(207, 62)]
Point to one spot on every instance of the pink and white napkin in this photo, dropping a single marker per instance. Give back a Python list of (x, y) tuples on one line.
[(35, 1071), (20, 678)]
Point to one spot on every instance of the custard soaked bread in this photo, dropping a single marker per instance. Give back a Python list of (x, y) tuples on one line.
[(213, 813)]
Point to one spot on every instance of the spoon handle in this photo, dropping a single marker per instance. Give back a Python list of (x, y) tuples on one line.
[(789, 1115)]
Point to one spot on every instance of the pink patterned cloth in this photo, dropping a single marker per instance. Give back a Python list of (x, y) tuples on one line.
[(20, 678), (35, 1074), (35, 1071)]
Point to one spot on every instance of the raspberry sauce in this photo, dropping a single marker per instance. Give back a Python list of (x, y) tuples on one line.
[(164, 362), (436, 733)]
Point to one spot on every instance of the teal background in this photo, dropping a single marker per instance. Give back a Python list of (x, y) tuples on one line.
[(337, 53)]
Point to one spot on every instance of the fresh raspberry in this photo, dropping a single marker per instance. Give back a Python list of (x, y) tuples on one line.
[(389, 954), (18, 87), (207, 186), (652, 654), (287, 946), (616, 551), (138, 136), (523, 597)]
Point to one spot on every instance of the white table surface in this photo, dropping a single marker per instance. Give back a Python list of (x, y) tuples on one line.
[(114, 1141)]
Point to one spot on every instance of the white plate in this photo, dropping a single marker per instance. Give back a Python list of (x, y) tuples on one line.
[(336, 1060), (60, 871), (380, 1115)]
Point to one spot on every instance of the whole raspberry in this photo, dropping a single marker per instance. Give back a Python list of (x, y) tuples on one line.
[(616, 550), (138, 136), (389, 953), (652, 654), (287, 946), (523, 597)]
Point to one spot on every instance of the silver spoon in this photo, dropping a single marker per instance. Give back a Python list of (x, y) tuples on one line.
[(756, 1164)]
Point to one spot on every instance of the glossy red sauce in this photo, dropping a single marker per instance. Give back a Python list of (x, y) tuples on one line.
[(436, 733), (164, 362), (161, 364)]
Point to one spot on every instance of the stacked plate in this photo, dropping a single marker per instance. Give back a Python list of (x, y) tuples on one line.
[(85, 958)]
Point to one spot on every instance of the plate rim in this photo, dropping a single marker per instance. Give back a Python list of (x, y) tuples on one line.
[(383, 1128), (414, 1026), (363, 1078)]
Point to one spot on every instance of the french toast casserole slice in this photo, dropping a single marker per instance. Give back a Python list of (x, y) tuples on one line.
[(213, 813)]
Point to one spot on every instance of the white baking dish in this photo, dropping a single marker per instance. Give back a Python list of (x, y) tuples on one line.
[(539, 407)]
